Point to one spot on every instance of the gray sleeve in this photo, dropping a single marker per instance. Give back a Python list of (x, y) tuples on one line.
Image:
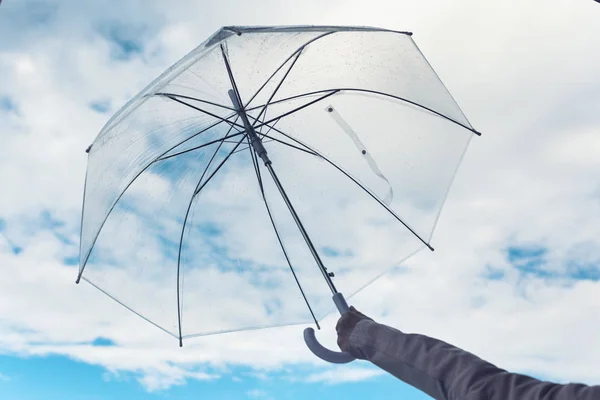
[(446, 372)]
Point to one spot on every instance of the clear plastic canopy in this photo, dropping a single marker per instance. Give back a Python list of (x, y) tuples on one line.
[(182, 223)]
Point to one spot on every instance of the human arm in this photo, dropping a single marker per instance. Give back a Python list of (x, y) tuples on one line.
[(442, 370)]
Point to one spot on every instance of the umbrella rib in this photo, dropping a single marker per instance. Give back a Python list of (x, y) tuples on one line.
[(316, 153), (298, 50), (205, 112), (240, 150), (201, 146), (246, 148), (332, 92), (260, 129), (231, 78), (87, 256), (187, 213), (262, 135), (264, 197), (220, 165), (365, 91), (291, 145), (232, 81), (280, 83), (165, 94)]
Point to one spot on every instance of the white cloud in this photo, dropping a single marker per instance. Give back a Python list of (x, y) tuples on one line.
[(343, 375), (161, 379), (524, 73)]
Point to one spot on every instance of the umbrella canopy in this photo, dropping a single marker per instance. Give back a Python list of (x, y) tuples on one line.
[(190, 224)]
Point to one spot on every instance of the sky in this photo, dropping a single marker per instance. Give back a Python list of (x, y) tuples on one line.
[(515, 277)]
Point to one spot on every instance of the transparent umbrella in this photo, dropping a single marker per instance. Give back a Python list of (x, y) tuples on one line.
[(266, 171)]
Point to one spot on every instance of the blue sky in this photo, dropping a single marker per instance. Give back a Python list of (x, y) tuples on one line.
[(515, 277), (61, 378)]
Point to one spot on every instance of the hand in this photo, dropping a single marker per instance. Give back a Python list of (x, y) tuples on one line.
[(345, 326)]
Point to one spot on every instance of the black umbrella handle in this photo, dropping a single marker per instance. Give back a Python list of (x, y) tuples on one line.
[(334, 357)]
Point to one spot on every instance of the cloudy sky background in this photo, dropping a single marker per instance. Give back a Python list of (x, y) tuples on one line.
[(515, 274)]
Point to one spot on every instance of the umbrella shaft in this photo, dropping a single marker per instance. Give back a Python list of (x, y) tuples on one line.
[(257, 144), (260, 150), (309, 242)]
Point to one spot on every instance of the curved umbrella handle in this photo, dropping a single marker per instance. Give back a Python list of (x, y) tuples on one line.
[(334, 357)]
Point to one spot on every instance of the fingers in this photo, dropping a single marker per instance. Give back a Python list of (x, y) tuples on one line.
[(361, 314), (345, 326), (349, 319)]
